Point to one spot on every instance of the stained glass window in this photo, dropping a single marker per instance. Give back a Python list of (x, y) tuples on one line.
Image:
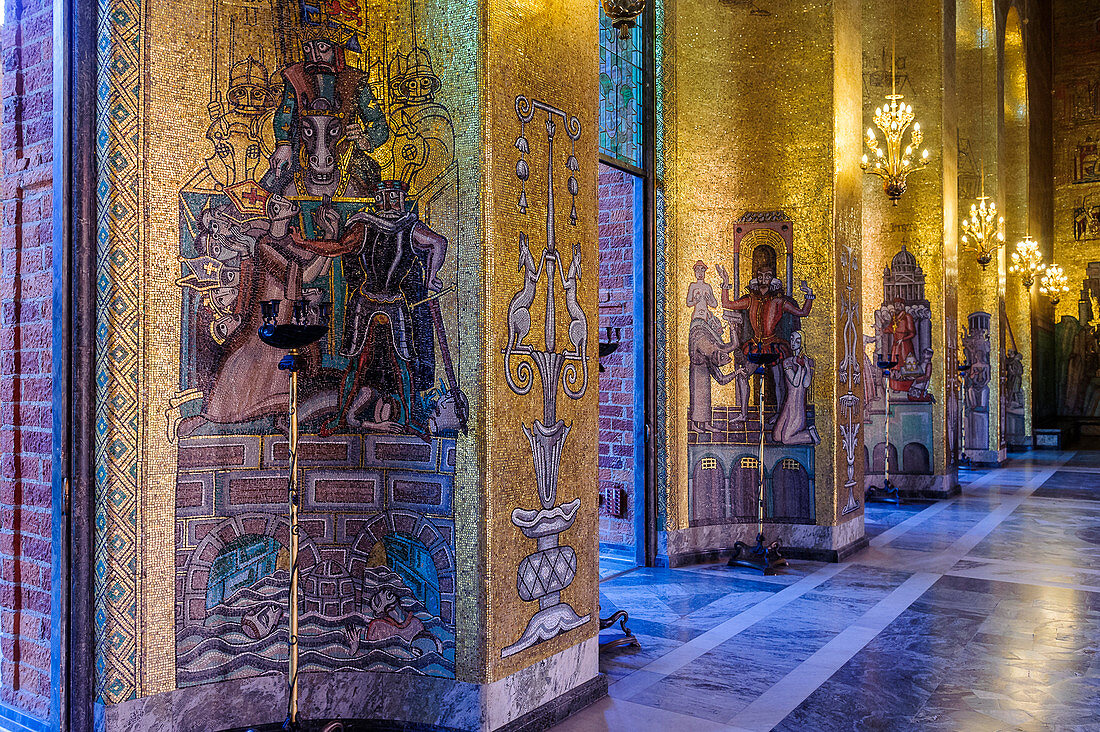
[(620, 93)]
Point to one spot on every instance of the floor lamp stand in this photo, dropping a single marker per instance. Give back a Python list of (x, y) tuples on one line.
[(765, 556), (888, 491)]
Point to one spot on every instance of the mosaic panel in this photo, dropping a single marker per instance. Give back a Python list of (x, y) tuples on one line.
[(302, 152), (763, 319), (332, 179), (542, 278)]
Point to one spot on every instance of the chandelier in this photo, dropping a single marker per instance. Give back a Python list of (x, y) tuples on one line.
[(1054, 284), (623, 14), (984, 231), (894, 164), (1027, 261)]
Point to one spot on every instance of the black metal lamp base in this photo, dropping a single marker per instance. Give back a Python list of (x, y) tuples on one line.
[(888, 493), (344, 725), (627, 638), (762, 557), (303, 725)]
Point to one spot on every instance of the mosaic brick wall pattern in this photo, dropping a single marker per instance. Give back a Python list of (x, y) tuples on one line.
[(375, 519)]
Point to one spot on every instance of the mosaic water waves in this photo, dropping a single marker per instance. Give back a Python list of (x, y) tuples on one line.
[(247, 633)]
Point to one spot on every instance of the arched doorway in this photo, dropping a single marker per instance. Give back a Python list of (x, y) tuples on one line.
[(241, 564), (744, 488), (878, 461), (791, 500), (708, 491), (915, 459)]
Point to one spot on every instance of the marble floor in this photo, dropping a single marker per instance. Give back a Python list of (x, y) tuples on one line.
[(979, 612)]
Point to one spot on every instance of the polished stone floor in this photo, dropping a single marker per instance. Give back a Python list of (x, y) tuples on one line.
[(980, 612)]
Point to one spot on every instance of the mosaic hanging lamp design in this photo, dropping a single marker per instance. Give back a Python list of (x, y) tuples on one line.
[(623, 14), (983, 230), (894, 164)]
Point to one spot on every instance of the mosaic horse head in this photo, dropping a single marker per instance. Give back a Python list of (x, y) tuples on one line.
[(324, 152)]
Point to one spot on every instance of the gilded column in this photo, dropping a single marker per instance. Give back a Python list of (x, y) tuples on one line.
[(909, 256), (763, 225)]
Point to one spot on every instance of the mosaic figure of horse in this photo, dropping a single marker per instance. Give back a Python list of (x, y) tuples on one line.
[(324, 156)]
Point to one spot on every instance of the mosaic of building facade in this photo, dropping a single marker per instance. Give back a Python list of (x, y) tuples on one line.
[(903, 336)]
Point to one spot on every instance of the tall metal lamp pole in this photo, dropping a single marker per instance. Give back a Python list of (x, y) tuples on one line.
[(963, 368), (765, 558), (888, 488), (293, 337)]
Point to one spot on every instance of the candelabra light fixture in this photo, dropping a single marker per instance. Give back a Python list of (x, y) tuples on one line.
[(983, 230), (1054, 284), (1027, 261), (894, 164), (623, 14), (310, 323)]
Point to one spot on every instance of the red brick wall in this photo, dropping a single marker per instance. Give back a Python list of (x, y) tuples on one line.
[(25, 358), (616, 193)]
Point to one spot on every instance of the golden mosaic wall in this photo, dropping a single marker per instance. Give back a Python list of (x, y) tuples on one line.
[(980, 290), (1076, 244), (544, 69), (762, 119), (1019, 222), (187, 121), (1076, 136)]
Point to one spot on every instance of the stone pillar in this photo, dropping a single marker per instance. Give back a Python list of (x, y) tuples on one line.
[(761, 158), (1015, 181), (448, 533), (909, 255), (540, 562), (981, 291)]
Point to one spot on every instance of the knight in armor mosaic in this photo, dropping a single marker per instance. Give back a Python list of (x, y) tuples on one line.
[(423, 136), (392, 315), (241, 133)]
